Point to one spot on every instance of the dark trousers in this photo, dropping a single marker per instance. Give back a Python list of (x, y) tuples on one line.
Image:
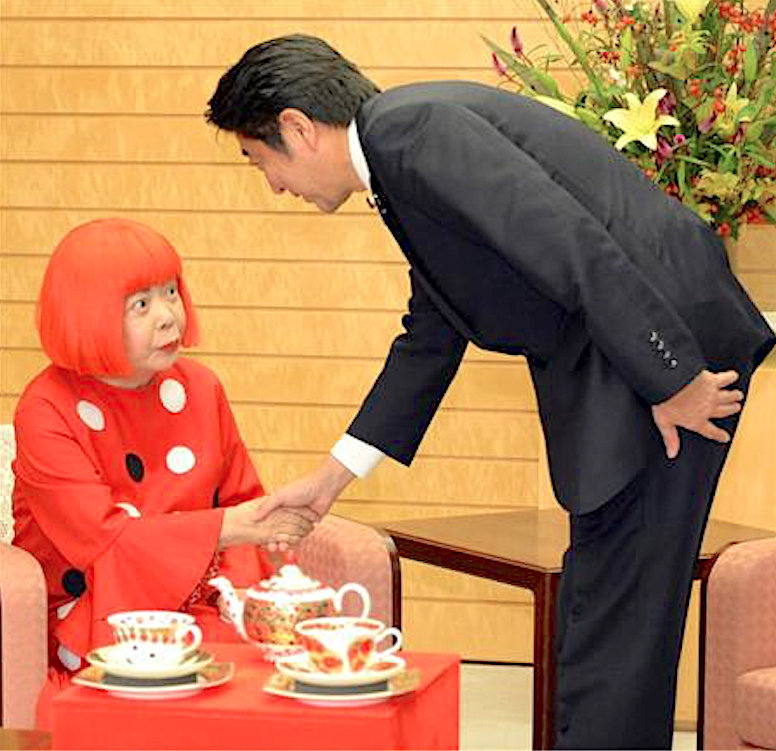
[(623, 601)]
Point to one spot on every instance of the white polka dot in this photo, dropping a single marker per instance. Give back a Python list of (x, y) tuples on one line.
[(130, 509), (91, 415), (180, 460), (69, 659), (63, 610), (173, 395)]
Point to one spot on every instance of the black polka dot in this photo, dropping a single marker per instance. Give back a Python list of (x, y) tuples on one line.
[(74, 583), (215, 499), (134, 467)]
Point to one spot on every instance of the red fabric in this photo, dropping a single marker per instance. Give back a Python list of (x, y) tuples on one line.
[(239, 715), (71, 472)]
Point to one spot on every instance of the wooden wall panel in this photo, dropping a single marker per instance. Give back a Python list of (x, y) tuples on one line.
[(232, 187), (479, 385), (432, 484), (222, 41), (169, 92), (296, 9), (753, 258), (503, 631), (101, 107), (212, 235), (245, 283), (480, 435), (300, 333)]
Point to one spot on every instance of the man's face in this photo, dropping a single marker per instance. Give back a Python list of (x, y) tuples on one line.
[(307, 169)]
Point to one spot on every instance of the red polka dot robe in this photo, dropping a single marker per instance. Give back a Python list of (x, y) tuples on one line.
[(119, 494)]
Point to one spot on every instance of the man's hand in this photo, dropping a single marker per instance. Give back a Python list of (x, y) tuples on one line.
[(315, 493), (693, 407)]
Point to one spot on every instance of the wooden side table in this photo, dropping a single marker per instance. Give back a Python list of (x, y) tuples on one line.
[(525, 549)]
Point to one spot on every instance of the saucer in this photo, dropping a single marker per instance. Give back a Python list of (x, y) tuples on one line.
[(328, 696), (301, 669), (209, 676), (105, 658)]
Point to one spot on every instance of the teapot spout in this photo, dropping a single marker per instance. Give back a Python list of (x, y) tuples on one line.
[(235, 607)]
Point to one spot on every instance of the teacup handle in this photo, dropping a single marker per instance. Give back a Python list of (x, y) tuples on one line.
[(195, 632), (366, 600), (395, 647)]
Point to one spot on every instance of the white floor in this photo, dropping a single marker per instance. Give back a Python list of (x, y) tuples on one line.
[(496, 709)]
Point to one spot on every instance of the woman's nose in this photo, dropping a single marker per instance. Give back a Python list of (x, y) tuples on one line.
[(164, 315)]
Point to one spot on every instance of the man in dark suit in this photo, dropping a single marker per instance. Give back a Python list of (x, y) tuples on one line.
[(527, 234)]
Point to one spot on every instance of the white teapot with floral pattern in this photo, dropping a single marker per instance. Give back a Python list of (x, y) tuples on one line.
[(270, 610)]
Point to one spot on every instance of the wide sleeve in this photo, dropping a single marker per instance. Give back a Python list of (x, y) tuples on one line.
[(128, 562), (245, 564), (461, 170), (418, 370), (239, 481)]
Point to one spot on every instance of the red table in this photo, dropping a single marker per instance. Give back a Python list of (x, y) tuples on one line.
[(240, 715)]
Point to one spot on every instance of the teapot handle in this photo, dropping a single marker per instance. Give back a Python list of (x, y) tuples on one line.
[(366, 600), (234, 605)]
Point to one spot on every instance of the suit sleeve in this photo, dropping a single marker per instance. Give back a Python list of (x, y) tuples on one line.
[(460, 169), (128, 563), (417, 372)]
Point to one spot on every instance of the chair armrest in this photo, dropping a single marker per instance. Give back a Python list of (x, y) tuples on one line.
[(740, 631), (341, 550), (23, 636)]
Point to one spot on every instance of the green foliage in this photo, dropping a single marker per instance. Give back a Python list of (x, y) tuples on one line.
[(709, 139)]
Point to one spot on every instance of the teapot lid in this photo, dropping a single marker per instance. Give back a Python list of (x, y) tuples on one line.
[(290, 579)]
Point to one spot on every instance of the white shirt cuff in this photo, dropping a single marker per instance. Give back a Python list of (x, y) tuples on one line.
[(356, 455)]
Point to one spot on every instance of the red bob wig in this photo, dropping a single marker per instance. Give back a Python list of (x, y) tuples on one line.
[(94, 268)]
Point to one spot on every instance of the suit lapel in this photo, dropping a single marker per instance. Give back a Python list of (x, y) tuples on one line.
[(392, 222)]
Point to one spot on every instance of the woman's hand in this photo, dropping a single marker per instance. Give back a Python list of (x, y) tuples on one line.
[(283, 527)]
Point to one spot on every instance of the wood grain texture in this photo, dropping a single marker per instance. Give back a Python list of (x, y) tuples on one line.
[(414, 42), (101, 115), (105, 91)]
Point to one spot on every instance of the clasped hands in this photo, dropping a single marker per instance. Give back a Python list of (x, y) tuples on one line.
[(694, 407), (280, 521), (278, 529)]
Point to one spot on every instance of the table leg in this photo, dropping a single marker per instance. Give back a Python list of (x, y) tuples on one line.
[(702, 665), (545, 667)]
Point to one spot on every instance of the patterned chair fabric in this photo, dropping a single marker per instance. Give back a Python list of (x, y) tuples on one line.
[(336, 552), (740, 681)]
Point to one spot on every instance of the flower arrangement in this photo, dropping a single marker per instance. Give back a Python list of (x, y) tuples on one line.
[(686, 90)]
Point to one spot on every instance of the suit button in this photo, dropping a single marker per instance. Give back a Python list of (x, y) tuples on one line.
[(660, 345), (653, 336), (667, 355), (672, 364)]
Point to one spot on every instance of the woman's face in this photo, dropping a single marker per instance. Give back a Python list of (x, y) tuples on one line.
[(154, 323)]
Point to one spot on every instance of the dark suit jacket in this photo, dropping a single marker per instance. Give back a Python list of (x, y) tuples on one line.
[(528, 234)]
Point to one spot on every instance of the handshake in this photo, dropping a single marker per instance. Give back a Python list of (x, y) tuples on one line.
[(280, 521), (276, 529)]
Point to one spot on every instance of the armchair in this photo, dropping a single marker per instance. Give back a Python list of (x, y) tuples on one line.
[(740, 669), (337, 551)]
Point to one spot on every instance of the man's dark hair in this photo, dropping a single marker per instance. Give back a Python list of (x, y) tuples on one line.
[(296, 71)]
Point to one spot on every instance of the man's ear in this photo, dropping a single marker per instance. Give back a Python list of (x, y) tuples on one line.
[(297, 129)]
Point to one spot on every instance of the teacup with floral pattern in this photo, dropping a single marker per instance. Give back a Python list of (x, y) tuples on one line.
[(341, 644)]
